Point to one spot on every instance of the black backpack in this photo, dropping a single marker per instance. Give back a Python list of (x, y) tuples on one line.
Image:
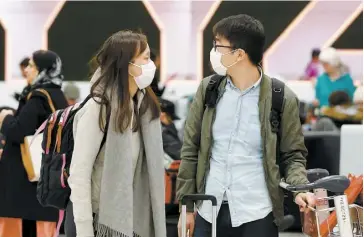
[(211, 96), (58, 143)]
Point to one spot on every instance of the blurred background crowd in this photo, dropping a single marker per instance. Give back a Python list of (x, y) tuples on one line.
[(315, 47)]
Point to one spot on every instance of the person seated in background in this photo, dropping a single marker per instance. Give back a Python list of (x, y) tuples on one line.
[(358, 97), (341, 111), (312, 70), (171, 143), (333, 79), (72, 93)]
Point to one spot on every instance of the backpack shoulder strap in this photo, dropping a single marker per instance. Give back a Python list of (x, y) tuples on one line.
[(108, 115), (275, 115), (277, 104), (46, 94), (211, 93)]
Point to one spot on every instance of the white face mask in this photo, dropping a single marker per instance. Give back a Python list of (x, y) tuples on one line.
[(146, 78), (215, 59)]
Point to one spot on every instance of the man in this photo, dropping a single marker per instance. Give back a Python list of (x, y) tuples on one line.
[(230, 151), (23, 65), (171, 142), (72, 93), (340, 111)]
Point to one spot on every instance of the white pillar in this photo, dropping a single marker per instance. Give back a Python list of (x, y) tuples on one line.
[(181, 22), (176, 36)]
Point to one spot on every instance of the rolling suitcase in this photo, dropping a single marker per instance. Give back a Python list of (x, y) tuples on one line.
[(198, 197)]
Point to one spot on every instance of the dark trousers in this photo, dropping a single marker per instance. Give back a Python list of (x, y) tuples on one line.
[(259, 228), (69, 223), (29, 228)]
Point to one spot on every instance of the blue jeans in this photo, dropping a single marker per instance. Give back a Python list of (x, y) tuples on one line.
[(260, 228)]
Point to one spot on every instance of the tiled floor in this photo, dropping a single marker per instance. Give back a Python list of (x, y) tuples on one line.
[(291, 235), (281, 235)]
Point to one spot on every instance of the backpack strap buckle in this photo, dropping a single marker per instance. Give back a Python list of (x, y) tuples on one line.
[(274, 118)]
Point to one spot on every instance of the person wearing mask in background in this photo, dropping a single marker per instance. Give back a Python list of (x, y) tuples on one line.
[(233, 146), (341, 111), (122, 181), (17, 194), (23, 65), (313, 68), (72, 93), (171, 142), (333, 79)]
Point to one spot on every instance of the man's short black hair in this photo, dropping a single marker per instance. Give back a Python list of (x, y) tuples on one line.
[(339, 98), (24, 62), (243, 32)]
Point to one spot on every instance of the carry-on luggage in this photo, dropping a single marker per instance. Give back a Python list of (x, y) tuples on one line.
[(345, 218), (198, 197)]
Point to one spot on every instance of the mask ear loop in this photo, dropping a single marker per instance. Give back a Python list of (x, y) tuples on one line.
[(235, 61), (136, 66)]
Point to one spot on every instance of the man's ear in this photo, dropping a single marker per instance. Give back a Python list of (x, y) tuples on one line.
[(241, 54)]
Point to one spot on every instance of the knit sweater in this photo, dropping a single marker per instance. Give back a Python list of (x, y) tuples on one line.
[(86, 193)]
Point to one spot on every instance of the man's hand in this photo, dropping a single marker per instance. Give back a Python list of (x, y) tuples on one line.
[(1, 152), (304, 200), (190, 224)]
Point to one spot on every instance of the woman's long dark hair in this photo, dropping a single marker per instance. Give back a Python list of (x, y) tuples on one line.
[(113, 58)]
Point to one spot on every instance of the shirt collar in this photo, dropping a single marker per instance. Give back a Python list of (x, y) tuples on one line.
[(256, 84)]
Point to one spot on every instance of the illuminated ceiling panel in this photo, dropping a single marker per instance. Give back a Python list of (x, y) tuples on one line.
[(274, 24), (352, 37)]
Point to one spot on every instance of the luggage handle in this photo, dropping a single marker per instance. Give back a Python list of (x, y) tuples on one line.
[(198, 197)]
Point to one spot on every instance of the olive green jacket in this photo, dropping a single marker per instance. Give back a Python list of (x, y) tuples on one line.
[(196, 150)]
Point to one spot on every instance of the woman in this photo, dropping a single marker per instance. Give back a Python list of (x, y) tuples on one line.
[(120, 186), (336, 77), (17, 194)]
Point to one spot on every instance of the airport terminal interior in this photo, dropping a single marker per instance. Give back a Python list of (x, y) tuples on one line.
[(56, 54)]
